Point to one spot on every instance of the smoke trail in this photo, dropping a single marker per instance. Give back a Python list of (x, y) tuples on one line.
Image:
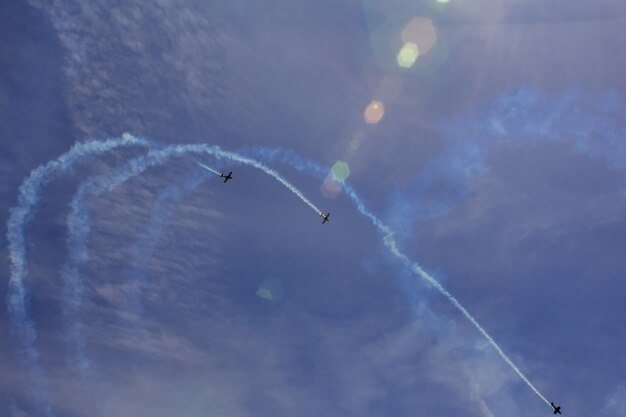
[(208, 168), (300, 164), (18, 307), (239, 158), (589, 124), (78, 223), (147, 244), (248, 161)]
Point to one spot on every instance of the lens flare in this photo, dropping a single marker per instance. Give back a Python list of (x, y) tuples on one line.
[(357, 140), (355, 144), (340, 171), (330, 188), (391, 25), (408, 55), (421, 32), (374, 112)]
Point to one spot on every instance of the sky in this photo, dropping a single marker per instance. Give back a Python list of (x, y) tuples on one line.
[(488, 138)]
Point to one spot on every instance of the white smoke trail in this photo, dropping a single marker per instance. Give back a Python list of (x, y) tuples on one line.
[(79, 223), (79, 227), (22, 323), (241, 159), (248, 161), (320, 172), (417, 269), (208, 168)]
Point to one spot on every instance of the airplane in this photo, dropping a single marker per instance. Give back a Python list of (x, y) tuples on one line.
[(325, 217), (557, 410), (227, 177)]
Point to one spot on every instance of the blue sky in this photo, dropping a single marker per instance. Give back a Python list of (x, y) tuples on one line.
[(496, 155)]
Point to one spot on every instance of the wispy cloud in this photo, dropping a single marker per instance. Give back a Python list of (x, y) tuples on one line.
[(615, 403), (113, 73)]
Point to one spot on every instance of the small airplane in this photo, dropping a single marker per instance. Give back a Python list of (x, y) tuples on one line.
[(557, 410), (325, 217), (227, 177)]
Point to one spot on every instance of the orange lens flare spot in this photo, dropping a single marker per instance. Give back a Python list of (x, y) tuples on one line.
[(330, 188), (374, 112)]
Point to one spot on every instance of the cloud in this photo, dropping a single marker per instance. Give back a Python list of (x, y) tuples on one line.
[(16, 411), (122, 65), (615, 403)]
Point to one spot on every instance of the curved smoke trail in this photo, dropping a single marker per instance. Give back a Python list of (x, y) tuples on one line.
[(21, 321), (310, 167), (591, 125), (78, 223)]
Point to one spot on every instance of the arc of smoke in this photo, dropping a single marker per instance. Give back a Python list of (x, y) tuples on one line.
[(247, 161), (587, 123), (312, 168), (78, 223), (156, 157), (21, 214), (20, 318)]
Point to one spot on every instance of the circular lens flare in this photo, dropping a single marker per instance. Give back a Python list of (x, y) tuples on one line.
[(408, 55), (374, 112), (330, 188), (340, 171), (356, 141), (355, 144), (421, 32)]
